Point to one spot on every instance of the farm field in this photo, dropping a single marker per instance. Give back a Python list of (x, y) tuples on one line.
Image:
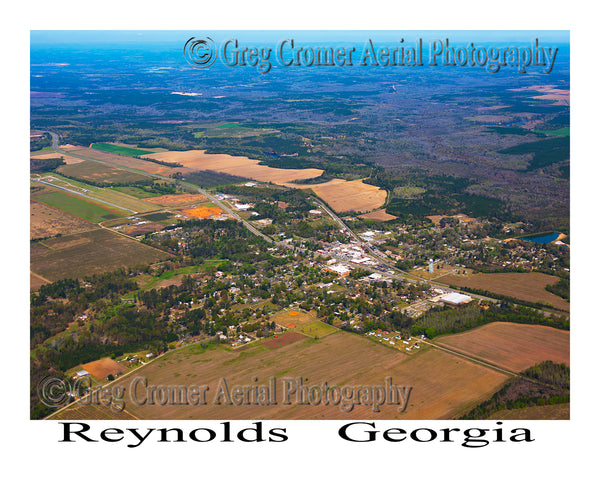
[(444, 386), (512, 346), (378, 215), (348, 196), (284, 339), (543, 412), (128, 162), (88, 170), (77, 206), (293, 318), (529, 287), (238, 166), (106, 197), (35, 282), (69, 160), (88, 253), (47, 221), (92, 412), (120, 149)]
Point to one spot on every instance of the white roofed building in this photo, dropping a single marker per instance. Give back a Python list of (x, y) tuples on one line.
[(456, 298)]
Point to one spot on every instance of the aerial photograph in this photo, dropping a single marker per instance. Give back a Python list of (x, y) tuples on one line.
[(299, 225)]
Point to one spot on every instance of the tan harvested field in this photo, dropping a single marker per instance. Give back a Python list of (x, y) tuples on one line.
[(292, 318), (88, 170), (104, 367), (35, 282), (92, 412), (129, 162), (47, 221), (135, 230), (240, 166), (543, 412), (345, 196), (379, 215), (529, 286), (512, 346), (558, 95), (177, 200), (444, 386), (88, 253), (69, 160)]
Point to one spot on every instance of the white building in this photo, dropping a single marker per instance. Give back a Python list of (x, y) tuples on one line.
[(456, 298)]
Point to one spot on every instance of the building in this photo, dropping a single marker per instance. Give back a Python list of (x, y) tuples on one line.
[(342, 270), (456, 298)]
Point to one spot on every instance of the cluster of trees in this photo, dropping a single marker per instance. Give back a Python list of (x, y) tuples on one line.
[(447, 320), (41, 165), (37, 143), (547, 383), (562, 288)]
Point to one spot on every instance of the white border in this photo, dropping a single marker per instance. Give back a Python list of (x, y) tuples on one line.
[(561, 449)]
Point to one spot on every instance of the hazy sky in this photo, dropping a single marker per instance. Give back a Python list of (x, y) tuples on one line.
[(119, 36)]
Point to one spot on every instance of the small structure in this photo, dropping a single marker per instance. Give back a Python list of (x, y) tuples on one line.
[(82, 373)]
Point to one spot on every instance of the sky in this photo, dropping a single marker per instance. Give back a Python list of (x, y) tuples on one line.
[(47, 37)]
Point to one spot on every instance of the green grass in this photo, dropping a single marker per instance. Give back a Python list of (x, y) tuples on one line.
[(559, 132), (131, 152), (76, 206), (316, 329), (136, 192), (230, 125), (408, 191)]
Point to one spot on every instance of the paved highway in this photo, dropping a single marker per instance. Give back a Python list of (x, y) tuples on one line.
[(398, 274)]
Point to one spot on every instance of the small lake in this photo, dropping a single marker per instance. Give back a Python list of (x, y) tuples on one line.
[(542, 238)]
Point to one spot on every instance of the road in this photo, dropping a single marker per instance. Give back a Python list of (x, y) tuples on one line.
[(75, 192), (381, 257)]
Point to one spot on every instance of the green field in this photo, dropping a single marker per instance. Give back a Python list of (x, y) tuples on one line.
[(77, 206), (135, 192), (120, 150), (559, 132), (121, 201), (316, 329), (88, 253)]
